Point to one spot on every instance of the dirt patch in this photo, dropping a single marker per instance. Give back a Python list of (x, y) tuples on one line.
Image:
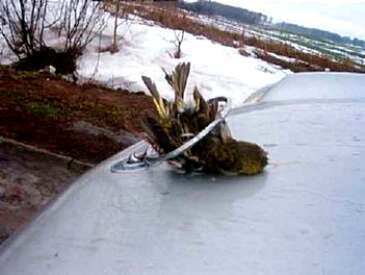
[(46, 111), (28, 181)]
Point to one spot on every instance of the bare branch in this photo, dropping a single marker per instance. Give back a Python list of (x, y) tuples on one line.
[(179, 39)]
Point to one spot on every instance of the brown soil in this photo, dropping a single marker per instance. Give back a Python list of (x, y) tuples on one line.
[(44, 110), (85, 123)]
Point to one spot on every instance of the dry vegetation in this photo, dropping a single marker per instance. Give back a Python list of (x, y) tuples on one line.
[(176, 19)]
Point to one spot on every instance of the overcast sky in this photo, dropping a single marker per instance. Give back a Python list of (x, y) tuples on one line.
[(346, 17)]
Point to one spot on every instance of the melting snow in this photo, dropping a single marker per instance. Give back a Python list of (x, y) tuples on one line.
[(145, 48)]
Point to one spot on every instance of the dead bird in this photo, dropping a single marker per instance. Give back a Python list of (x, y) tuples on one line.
[(177, 122)]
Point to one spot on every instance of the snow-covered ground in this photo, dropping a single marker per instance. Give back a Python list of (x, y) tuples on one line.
[(145, 48)]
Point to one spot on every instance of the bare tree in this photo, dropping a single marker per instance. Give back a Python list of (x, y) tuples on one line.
[(120, 10), (114, 47)]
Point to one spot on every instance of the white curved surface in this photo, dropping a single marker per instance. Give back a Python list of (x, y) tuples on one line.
[(304, 215), (306, 86)]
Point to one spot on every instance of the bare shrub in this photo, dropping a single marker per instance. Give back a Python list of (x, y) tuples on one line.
[(23, 24), (179, 39), (81, 21)]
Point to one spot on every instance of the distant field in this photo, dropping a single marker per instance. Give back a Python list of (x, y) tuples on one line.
[(290, 51), (338, 52)]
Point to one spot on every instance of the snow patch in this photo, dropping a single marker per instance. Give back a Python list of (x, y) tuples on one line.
[(145, 48)]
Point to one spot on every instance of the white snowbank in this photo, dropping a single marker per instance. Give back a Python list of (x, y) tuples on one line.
[(145, 48)]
